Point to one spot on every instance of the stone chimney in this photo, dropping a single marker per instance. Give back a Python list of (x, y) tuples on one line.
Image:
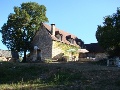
[(53, 29)]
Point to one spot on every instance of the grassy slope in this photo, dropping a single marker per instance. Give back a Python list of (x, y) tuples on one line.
[(60, 76)]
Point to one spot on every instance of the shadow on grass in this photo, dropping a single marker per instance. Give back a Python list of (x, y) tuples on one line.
[(15, 72), (52, 76), (37, 75)]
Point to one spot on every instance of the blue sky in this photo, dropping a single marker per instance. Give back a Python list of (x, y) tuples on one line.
[(79, 17)]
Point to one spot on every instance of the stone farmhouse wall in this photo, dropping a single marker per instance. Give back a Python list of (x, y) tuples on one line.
[(43, 41), (96, 56), (100, 56), (59, 48)]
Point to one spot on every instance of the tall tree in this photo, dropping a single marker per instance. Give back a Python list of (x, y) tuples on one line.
[(108, 35), (22, 25)]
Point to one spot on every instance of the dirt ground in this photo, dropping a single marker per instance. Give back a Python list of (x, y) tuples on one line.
[(98, 77), (84, 75)]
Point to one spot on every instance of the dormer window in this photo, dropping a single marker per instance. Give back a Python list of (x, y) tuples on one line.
[(78, 43), (59, 37), (71, 40), (68, 37)]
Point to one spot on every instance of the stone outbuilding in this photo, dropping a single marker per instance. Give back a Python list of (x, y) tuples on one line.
[(96, 52)]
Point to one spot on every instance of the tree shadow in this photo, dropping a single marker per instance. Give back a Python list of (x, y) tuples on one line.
[(34, 75)]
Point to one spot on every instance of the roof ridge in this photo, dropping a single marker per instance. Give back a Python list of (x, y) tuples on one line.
[(64, 34), (59, 29)]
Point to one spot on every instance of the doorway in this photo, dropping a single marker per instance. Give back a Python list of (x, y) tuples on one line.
[(38, 54)]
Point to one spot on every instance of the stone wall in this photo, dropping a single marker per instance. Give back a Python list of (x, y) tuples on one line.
[(43, 41), (96, 56), (59, 48), (100, 56), (6, 55)]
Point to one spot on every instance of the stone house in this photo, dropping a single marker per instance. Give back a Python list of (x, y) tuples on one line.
[(53, 43)]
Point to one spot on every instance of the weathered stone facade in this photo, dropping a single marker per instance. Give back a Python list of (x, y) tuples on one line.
[(96, 52), (7, 55), (100, 56), (59, 48), (43, 41), (94, 56), (56, 50)]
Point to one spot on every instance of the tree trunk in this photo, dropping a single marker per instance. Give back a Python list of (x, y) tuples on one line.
[(24, 58)]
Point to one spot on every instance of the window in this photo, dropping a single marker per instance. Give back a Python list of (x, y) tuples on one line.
[(78, 43), (71, 40), (59, 37)]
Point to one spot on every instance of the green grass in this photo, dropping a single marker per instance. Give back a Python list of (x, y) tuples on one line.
[(61, 76), (33, 75)]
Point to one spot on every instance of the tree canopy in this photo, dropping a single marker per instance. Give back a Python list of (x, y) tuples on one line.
[(22, 25), (108, 35)]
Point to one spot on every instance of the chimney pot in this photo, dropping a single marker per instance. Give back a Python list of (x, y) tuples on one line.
[(53, 29)]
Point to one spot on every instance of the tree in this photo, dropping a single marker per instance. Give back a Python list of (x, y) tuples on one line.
[(108, 35), (22, 25)]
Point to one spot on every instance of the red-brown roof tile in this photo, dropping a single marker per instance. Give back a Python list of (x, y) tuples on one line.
[(64, 34)]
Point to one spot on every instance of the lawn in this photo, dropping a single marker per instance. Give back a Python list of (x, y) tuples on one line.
[(58, 76)]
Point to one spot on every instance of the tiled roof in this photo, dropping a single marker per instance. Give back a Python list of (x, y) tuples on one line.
[(63, 33), (94, 48)]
